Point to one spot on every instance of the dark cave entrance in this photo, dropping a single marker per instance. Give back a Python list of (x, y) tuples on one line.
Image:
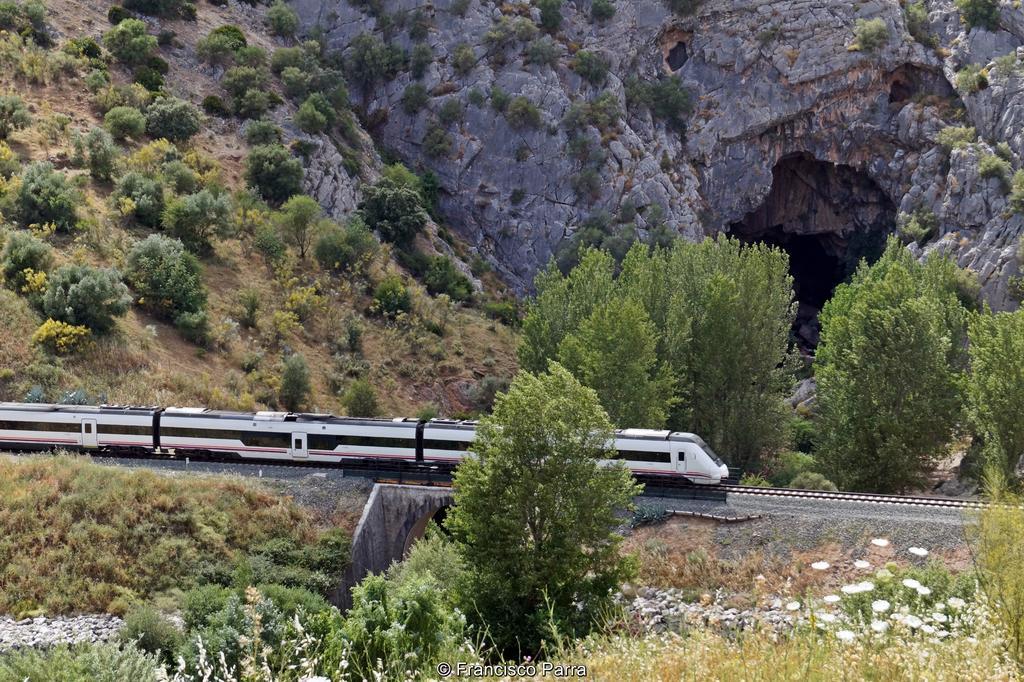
[(827, 217)]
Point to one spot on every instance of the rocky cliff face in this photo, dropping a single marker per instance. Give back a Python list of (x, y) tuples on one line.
[(782, 97)]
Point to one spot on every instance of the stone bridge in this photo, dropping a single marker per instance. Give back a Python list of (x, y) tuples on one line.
[(394, 517)]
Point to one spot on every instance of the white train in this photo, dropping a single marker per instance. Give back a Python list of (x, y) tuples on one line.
[(315, 438)]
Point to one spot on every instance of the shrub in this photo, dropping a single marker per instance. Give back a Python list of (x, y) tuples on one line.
[(979, 13), (166, 278), (102, 153), (590, 66), (916, 16), (129, 42), (339, 248), (789, 465), (870, 34), (13, 115), (150, 631), (991, 166), (22, 254), (361, 400), (146, 195), (550, 14), (262, 132), (253, 104), (667, 99), (181, 178), (96, 662), (811, 480), (602, 10), (238, 80), (267, 241), (971, 79), (195, 327), (463, 59), (953, 137), (919, 226), (221, 45), (296, 82), (273, 171), (310, 119), (282, 20), (123, 122), (149, 78), (414, 98), (437, 143), (173, 119), (420, 57), (295, 386), (522, 113), (201, 602), (60, 338), (543, 51), (1016, 200), (46, 196), (83, 295), (442, 277), (298, 221), (116, 14), (196, 218), (390, 297), (160, 8), (370, 60)]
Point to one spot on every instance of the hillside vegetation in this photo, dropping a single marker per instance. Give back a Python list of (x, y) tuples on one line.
[(77, 537), (158, 247)]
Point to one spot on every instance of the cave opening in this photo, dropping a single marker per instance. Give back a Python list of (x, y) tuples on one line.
[(677, 56), (827, 217)]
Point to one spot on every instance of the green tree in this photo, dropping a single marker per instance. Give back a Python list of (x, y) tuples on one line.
[(273, 171), (981, 13), (79, 294), (394, 209), (889, 387), (996, 385), (299, 221), (173, 118), (197, 218), (165, 276), (102, 154), (536, 514), (613, 352), (295, 385), (123, 122), (361, 400)]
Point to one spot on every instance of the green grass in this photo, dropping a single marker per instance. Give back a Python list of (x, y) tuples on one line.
[(76, 536)]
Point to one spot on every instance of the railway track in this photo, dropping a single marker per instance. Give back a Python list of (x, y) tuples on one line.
[(868, 498)]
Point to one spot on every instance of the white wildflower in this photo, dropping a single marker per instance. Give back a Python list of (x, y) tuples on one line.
[(956, 603), (825, 617), (880, 606), (913, 622), (911, 583), (866, 586), (793, 606), (846, 636), (918, 551), (861, 564), (879, 626), (928, 629), (820, 565), (850, 589), (939, 617), (831, 598), (924, 591), (880, 542)]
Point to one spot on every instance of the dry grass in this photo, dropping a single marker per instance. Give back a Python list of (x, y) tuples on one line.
[(76, 536)]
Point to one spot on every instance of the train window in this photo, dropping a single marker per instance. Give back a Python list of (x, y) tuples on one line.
[(88, 427), (374, 442), (298, 444), (125, 429), (55, 427), (316, 442), (639, 456), (446, 445), (264, 440)]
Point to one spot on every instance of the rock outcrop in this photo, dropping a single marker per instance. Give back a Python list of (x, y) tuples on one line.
[(770, 81)]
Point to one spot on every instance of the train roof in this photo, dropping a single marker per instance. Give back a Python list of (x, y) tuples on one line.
[(127, 410)]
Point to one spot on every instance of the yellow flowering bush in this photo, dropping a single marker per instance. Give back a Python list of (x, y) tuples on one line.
[(60, 337)]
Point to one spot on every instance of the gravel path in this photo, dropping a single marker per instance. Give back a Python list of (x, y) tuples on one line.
[(789, 525)]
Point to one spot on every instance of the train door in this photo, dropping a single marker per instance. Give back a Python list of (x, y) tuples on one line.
[(89, 433), (679, 457), (298, 446)]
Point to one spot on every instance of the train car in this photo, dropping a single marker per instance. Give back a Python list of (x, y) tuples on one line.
[(319, 438), (85, 427)]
